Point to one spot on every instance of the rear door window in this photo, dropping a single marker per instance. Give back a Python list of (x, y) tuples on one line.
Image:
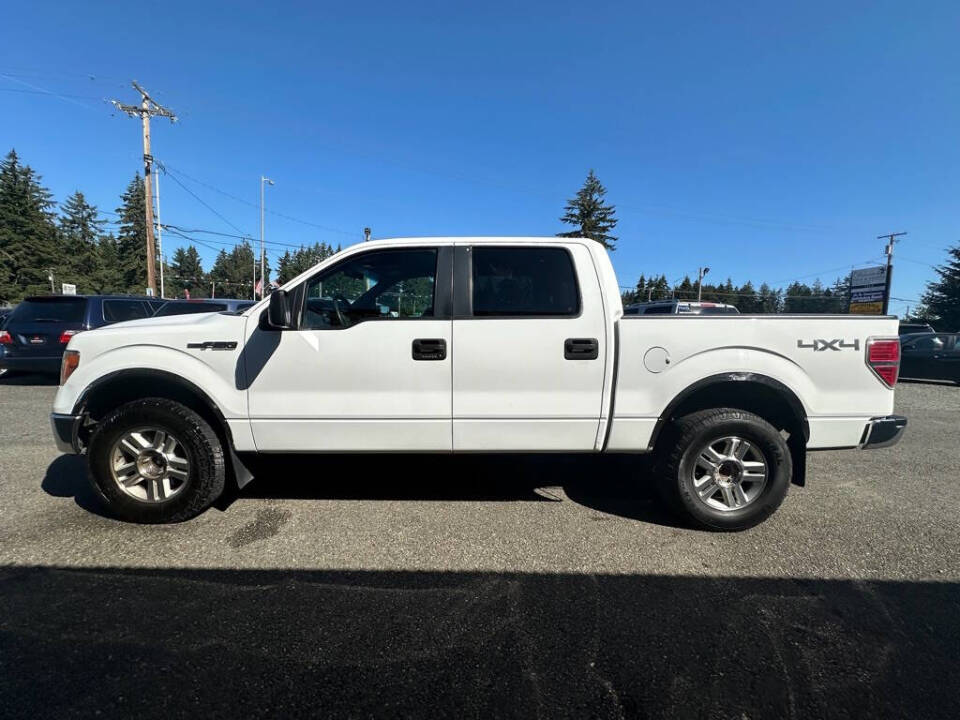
[(121, 310), (524, 282), (659, 310)]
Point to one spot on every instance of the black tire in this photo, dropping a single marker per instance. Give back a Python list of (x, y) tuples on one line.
[(682, 444), (206, 477)]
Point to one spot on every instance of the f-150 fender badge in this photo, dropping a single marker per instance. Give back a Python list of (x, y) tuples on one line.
[(213, 345), (821, 345)]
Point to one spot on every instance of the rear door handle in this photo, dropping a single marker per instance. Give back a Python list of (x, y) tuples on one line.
[(581, 349), (429, 349)]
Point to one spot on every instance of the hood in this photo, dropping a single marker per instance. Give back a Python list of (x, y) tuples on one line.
[(178, 320)]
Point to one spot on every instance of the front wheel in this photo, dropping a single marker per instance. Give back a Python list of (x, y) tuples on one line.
[(725, 469), (156, 461)]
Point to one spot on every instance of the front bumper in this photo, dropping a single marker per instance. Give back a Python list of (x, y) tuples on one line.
[(65, 432), (883, 432)]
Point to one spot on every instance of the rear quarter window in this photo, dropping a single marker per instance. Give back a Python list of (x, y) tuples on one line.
[(190, 308), (121, 310)]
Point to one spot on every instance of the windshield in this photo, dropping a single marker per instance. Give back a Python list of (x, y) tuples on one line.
[(54, 310), (187, 308)]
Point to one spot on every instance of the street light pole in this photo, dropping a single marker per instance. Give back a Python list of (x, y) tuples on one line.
[(263, 181), (700, 273)]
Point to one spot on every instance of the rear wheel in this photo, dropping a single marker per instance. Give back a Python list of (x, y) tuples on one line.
[(725, 469), (156, 461)]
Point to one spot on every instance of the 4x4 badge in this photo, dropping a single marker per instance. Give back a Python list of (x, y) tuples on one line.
[(821, 345)]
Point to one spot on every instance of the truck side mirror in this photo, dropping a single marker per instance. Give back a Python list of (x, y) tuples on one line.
[(278, 314)]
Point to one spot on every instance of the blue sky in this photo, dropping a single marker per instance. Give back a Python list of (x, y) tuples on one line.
[(770, 141)]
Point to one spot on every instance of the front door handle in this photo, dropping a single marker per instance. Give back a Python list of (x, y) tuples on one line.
[(429, 349), (581, 349)]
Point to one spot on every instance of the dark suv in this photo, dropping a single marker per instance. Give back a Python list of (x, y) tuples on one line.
[(203, 305), (37, 331)]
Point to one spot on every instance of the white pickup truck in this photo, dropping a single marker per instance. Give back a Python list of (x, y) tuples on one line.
[(473, 345)]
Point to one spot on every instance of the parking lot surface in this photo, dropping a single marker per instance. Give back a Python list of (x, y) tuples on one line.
[(385, 586)]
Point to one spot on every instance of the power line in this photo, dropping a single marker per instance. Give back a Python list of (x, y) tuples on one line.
[(200, 200), (275, 213), (44, 91)]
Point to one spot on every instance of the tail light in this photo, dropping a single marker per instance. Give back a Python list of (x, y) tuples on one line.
[(883, 358), (70, 362), (66, 335), (5, 338)]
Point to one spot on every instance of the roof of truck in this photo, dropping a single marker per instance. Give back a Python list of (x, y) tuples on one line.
[(476, 240)]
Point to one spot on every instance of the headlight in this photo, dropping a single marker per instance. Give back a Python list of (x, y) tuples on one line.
[(71, 360)]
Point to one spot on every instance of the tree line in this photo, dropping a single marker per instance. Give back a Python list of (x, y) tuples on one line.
[(69, 243), (797, 297), (43, 245)]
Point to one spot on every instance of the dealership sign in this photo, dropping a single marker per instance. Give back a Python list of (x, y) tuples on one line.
[(867, 289)]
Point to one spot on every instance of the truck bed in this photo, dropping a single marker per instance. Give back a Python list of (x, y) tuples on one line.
[(821, 359)]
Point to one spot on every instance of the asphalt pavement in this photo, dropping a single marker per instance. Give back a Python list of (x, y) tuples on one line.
[(510, 586)]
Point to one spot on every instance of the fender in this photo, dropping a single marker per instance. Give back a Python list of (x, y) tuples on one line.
[(241, 472), (215, 373), (785, 392), (165, 375)]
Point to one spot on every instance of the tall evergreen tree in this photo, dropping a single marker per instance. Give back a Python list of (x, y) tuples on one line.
[(283, 268), (941, 301), (28, 236), (590, 214), (186, 274), (233, 272), (132, 237), (80, 229), (110, 276)]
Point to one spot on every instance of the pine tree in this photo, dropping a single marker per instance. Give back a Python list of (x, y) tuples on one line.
[(80, 229), (283, 268), (109, 276), (186, 273), (590, 215), (233, 271), (132, 238), (28, 237), (941, 301)]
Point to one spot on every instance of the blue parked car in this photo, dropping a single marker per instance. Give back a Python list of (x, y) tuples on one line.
[(203, 305), (36, 333)]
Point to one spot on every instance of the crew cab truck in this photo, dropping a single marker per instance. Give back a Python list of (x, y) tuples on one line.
[(473, 345)]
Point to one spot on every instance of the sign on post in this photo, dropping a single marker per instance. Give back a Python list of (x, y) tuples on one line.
[(867, 288), (68, 289)]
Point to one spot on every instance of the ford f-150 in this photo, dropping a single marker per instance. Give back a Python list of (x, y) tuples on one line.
[(473, 345)]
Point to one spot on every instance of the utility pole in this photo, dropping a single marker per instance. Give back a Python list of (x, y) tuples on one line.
[(700, 273), (891, 240), (50, 277), (145, 110), (160, 236), (263, 253)]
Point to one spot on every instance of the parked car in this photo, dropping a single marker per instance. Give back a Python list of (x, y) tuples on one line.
[(37, 331), (4, 312), (472, 345), (931, 356), (912, 328), (679, 307), (202, 305)]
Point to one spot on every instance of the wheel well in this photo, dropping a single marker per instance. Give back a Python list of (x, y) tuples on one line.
[(762, 396), (120, 388)]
